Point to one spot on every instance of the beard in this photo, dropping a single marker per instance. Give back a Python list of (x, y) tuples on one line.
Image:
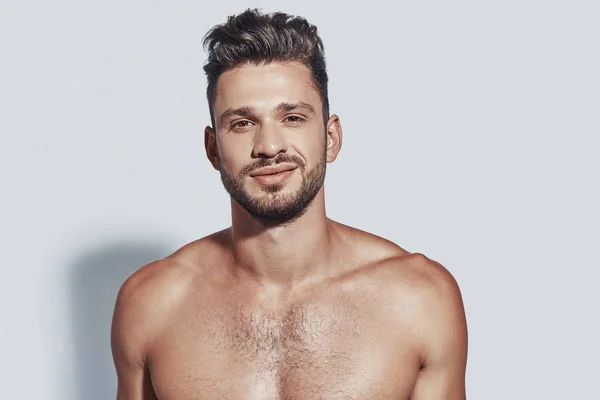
[(275, 208)]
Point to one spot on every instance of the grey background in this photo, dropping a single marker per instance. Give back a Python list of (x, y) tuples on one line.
[(471, 135)]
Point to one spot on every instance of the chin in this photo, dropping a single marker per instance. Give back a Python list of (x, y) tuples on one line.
[(274, 189), (277, 216)]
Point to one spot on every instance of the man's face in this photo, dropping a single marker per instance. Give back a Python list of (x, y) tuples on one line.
[(271, 139)]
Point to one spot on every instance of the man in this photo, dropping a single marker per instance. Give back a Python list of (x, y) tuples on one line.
[(285, 303)]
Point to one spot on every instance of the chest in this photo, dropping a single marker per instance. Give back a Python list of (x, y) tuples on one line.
[(307, 352)]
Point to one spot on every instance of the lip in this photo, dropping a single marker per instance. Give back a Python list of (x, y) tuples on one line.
[(276, 169), (274, 179)]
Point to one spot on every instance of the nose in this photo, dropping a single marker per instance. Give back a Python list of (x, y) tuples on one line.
[(268, 142)]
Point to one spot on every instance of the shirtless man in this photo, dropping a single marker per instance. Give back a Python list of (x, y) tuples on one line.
[(285, 303)]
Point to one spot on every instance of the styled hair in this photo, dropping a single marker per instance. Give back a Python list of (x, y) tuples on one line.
[(256, 38)]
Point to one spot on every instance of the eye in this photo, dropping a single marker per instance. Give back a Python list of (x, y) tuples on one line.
[(241, 124), (294, 119)]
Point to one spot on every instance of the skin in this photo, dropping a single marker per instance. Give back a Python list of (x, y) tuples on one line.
[(310, 309)]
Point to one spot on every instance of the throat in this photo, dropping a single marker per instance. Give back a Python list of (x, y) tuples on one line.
[(284, 259), (287, 253)]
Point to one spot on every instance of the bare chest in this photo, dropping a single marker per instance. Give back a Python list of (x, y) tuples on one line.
[(307, 352)]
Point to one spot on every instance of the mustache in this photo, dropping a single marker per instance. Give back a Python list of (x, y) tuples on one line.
[(268, 162)]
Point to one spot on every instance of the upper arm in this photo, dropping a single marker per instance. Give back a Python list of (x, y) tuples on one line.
[(443, 335), (129, 335)]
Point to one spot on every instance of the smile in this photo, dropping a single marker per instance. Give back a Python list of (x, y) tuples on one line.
[(272, 178)]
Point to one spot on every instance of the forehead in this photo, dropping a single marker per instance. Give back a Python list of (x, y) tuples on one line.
[(264, 86)]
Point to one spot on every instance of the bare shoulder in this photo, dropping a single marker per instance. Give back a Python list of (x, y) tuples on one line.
[(165, 280), (427, 303), (424, 294), (423, 306), (366, 248), (148, 293), (149, 296), (415, 280), (142, 307), (408, 272), (422, 276)]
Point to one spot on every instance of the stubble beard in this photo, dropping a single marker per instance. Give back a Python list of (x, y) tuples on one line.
[(275, 208)]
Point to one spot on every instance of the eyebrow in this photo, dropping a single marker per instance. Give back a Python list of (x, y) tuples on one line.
[(246, 111), (287, 107)]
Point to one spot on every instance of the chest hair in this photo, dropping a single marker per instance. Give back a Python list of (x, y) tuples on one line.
[(300, 337)]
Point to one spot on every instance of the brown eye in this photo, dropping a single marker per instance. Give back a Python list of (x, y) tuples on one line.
[(294, 119), (239, 125)]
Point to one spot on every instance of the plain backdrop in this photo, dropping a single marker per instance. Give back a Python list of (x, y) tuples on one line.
[(470, 135)]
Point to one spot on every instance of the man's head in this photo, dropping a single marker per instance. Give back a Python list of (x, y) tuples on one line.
[(271, 133), (256, 38)]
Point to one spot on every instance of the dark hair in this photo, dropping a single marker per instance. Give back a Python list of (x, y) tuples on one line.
[(254, 37)]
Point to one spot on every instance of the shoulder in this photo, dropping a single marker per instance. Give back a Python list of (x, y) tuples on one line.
[(409, 277), (428, 304), (421, 293), (156, 286), (416, 280), (143, 303), (409, 272), (154, 292), (150, 289), (365, 248), (425, 277)]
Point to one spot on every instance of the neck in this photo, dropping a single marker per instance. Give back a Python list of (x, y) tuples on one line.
[(287, 254)]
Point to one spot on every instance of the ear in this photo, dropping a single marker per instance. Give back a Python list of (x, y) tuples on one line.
[(334, 137), (210, 144)]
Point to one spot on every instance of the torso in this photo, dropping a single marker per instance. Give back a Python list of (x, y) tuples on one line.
[(345, 338)]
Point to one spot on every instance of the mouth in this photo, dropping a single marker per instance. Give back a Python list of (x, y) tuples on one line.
[(273, 170), (273, 175)]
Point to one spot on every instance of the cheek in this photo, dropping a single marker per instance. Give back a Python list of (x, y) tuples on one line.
[(315, 148), (310, 142), (233, 154)]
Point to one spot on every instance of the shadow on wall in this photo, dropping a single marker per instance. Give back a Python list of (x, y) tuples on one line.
[(95, 281)]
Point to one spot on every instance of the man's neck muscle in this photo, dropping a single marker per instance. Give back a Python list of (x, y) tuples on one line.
[(287, 254)]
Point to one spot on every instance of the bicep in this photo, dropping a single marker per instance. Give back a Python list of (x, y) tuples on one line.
[(134, 384), (441, 382), (127, 342), (442, 375)]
